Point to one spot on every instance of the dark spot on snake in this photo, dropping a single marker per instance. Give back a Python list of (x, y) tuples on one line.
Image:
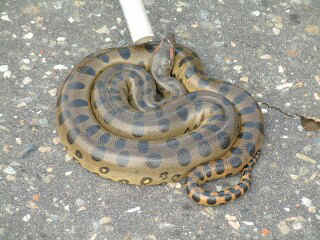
[(116, 98), (240, 98), (81, 118), (236, 150), (87, 70), (196, 136), (78, 154), (184, 157), (92, 130), (104, 57), (78, 103), (154, 160), (203, 82), (219, 117), (164, 125), (224, 139), (191, 70), (221, 194), (246, 135), (104, 170), (138, 129), (164, 175), (235, 162), (199, 175), (63, 116), (142, 103), (186, 60), (140, 83), (219, 166), (192, 96), (207, 170), (138, 115), (149, 47), (124, 181), (101, 84), (146, 180), (178, 49), (104, 138), (182, 112), (257, 125), (72, 135), (243, 186), (226, 101), (213, 128), (211, 200), (248, 110), (98, 154), (225, 87), (143, 146), (159, 113), (204, 148), (195, 196), (124, 52), (175, 178), (251, 149), (227, 197), (172, 143), (76, 85), (120, 143), (123, 158)]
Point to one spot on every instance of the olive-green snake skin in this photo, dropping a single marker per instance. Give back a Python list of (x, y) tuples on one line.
[(148, 114)]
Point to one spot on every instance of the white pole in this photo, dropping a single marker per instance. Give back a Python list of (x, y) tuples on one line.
[(137, 20)]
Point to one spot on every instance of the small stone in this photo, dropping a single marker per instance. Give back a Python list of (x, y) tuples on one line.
[(283, 227), (49, 170), (70, 19), (7, 74), (68, 173), (21, 105), (312, 209), (265, 232), (166, 225), (238, 68), (4, 68), (305, 158), (18, 141), (107, 39), (9, 170), (306, 201), (297, 225), (29, 149), (248, 223), (276, 31), (266, 57), (233, 222), (61, 39), (79, 202), (105, 220), (5, 18), (312, 29), (103, 29), (284, 86), (136, 209), (26, 80), (280, 69), (45, 149), (26, 218), (255, 13), (32, 205), (244, 79), (53, 92), (28, 36), (56, 140), (60, 67), (11, 178), (68, 157)]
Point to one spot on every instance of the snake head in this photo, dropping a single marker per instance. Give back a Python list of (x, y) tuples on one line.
[(164, 54)]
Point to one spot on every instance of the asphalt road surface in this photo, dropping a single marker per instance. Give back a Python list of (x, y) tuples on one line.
[(269, 47)]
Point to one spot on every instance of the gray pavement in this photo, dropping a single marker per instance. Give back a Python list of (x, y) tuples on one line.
[(269, 47)]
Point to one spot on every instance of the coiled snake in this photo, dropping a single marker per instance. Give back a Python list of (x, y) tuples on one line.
[(148, 114)]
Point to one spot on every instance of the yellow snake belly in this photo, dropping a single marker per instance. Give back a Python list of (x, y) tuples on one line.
[(213, 131)]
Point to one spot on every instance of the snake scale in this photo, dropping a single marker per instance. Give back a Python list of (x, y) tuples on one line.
[(148, 114)]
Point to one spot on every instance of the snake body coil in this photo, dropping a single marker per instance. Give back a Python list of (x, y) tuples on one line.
[(117, 122)]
